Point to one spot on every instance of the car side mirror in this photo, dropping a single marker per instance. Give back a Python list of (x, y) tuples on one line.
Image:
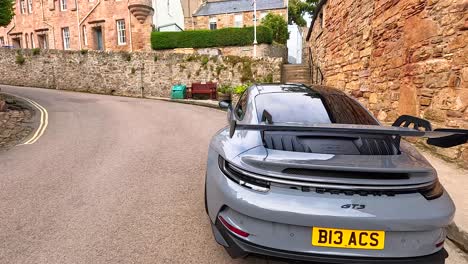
[(225, 104)]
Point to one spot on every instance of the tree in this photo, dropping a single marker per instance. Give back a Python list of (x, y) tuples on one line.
[(298, 9), (278, 25), (6, 12)]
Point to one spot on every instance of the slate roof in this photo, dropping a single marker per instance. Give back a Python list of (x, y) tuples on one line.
[(236, 6)]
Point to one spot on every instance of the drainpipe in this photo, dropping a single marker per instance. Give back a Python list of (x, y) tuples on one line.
[(44, 21), (78, 23), (130, 26)]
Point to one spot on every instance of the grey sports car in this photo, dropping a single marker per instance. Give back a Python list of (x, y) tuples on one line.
[(307, 173)]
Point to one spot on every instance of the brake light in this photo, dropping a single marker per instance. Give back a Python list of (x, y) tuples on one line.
[(232, 228), (438, 245)]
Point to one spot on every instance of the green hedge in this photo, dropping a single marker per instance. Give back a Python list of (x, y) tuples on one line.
[(210, 38)]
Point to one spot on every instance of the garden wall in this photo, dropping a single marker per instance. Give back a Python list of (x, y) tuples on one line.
[(263, 50), (121, 73)]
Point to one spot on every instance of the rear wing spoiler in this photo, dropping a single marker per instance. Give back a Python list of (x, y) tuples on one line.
[(405, 126)]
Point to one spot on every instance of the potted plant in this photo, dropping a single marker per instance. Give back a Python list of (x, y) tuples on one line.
[(224, 92)]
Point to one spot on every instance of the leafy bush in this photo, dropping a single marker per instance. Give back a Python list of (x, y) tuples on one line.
[(225, 89), (240, 89), (20, 59), (268, 78), (36, 51), (210, 38), (279, 27)]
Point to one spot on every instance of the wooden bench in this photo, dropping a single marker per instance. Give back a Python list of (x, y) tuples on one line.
[(203, 88)]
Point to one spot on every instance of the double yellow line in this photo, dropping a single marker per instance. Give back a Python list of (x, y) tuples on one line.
[(44, 121)]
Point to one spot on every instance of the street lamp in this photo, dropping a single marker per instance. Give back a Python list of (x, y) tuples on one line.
[(255, 28)]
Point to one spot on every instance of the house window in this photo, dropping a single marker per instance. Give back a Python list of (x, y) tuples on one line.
[(30, 6), (121, 37), (2, 41), (66, 38), (63, 5), (238, 20), (33, 45), (85, 36), (26, 40), (263, 15), (213, 23), (23, 6)]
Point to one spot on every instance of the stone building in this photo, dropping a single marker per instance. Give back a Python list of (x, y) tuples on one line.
[(80, 24), (215, 14), (396, 57)]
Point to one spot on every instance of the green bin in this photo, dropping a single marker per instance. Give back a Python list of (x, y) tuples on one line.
[(178, 91)]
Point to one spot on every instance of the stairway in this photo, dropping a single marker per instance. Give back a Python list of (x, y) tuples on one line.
[(296, 73)]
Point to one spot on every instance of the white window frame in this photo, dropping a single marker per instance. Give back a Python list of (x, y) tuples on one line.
[(30, 6), (238, 20), (213, 20), (33, 45), (63, 5), (85, 36), (263, 15), (22, 6), (66, 38), (121, 32)]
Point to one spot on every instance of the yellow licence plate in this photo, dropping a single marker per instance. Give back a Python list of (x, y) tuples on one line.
[(342, 238)]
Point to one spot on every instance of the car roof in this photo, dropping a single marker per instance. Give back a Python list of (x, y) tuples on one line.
[(297, 88)]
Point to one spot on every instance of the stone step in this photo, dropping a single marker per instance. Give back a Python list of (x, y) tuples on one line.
[(296, 73)]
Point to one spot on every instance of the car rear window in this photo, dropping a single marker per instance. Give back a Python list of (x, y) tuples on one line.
[(312, 108)]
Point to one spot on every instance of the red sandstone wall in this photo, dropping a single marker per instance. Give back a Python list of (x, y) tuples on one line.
[(104, 13), (398, 57)]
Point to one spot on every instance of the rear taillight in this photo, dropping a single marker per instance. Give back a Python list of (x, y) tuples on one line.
[(232, 228), (242, 177), (434, 192), (438, 245)]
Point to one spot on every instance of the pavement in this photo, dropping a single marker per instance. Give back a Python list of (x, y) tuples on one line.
[(455, 181), (15, 122), (112, 180)]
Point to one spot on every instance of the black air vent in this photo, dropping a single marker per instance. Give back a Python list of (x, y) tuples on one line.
[(347, 174), (330, 144)]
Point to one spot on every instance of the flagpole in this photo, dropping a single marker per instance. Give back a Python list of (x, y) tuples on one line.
[(255, 28)]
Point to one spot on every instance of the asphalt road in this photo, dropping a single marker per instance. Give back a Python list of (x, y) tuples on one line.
[(112, 180)]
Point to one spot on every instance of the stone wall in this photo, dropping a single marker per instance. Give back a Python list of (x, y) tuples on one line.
[(121, 73), (263, 50), (398, 57)]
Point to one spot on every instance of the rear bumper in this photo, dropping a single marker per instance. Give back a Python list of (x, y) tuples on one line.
[(237, 248)]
